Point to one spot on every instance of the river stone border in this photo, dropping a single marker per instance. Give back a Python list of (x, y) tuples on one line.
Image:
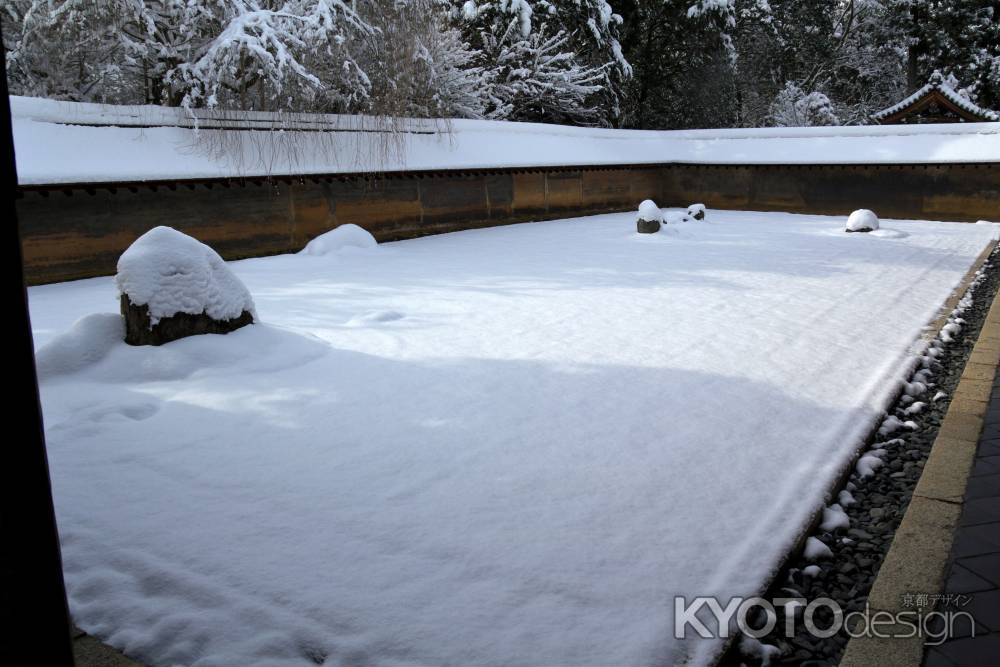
[(917, 562), (880, 501)]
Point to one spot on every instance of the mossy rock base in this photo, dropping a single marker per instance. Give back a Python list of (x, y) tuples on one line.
[(139, 332), (647, 226)]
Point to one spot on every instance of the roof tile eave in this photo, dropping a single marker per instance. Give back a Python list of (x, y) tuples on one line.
[(949, 93)]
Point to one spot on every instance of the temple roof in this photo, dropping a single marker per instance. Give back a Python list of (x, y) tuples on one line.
[(938, 91)]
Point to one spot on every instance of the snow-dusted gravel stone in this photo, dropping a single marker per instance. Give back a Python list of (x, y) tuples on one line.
[(862, 220), (816, 550), (173, 286), (834, 518)]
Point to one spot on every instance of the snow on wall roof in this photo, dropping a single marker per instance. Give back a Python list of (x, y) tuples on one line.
[(68, 142), (937, 83)]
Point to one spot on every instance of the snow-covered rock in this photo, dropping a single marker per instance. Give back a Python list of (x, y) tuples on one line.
[(867, 465), (815, 550), (862, 220), (339, 238), (697, 211), (758, 651), (173, 286), (812, 571), (650, 217), (834, 517)]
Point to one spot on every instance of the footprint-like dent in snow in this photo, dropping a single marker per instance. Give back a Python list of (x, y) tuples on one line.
[(139, 411), (375, 317), (132, 411)]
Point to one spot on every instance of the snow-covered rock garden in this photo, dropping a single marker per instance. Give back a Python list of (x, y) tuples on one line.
[(508, 445)]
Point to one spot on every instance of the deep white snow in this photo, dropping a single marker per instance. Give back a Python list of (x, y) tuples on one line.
[(501, 446), (71, 142), (171, 273), (650, 212)]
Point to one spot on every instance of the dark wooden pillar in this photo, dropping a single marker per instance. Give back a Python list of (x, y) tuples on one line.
[(36, 622)]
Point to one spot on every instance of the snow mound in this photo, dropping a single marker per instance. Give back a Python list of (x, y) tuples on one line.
[(650, 212), (260, 349), (171, 272), (88, 341), (674, 217), (889, 233), (862, 220), (339, 238)]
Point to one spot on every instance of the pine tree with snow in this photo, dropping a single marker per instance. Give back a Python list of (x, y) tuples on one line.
[(238, 53), (66, 50), (418, 65), (682, 56), (593, 29), (957, 37), (550, 61)]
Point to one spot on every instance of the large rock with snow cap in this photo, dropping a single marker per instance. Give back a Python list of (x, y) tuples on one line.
[(650, 217), (862, 220), (696, 211), (174, 286)]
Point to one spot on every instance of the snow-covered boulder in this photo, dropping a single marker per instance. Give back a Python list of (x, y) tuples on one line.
[(650, 217), (173, 286), (338, 238), (697, 211), (862, 220)]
